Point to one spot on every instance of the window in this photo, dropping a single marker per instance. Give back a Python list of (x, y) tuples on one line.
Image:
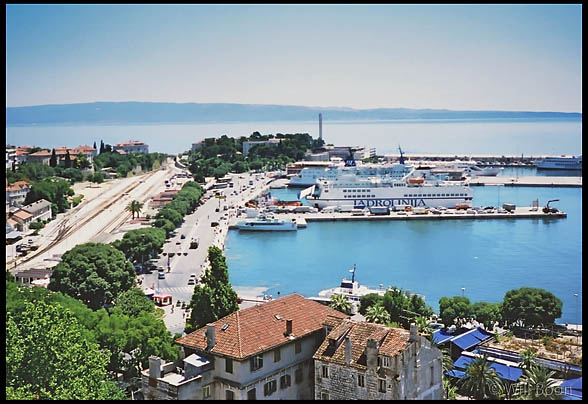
[(277, 355), (206, 391), (228, 365), (386, 361), (298, 376), (269, 388), (324, 396), (285, 381), (382, 385), (432, 375), (256, 362), (361, 380), (251, 395), (230, 395), (298, 347), (325, 371)]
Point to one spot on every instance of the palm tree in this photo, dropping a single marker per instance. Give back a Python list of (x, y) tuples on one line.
[(340, 302), (377, 314), (527, 359), (537, 383), (134, 207), (481, 381)]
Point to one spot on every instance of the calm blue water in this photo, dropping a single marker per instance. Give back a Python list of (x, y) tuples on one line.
[(461, 137), (434, 258)]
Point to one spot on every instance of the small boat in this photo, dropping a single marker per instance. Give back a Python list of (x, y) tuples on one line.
[(265, 223), (419, 180)]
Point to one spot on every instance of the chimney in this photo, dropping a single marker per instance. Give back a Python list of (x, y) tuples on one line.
[(288, 328), (347, 350), (210, 336), (413, 332), (320, 126), (154, 367), (372, 354)]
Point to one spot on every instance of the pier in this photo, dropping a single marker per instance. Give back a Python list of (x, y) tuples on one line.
[(528, 181)]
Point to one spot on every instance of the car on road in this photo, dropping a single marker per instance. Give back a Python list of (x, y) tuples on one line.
[(160, 269), (213, 224), (193, 276), (183, 236), (191, 281), (161, 275)]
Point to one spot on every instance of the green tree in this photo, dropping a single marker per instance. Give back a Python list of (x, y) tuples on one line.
[(481, 381), (537, 383), (396, 303), (93, 273), (170, 214), (48, 358), (214, 297), (53, 159), (368, 300), (140, 245), (97, 177), (67, 163), (455, 310), (377, 314), (133, 302), (83, 161), (527, 359), (164, 224), (134, 207), (340, 302), (487, 313), (55, 191), (531, 307)]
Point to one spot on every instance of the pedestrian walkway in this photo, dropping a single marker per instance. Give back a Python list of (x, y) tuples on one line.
[(175, 322)]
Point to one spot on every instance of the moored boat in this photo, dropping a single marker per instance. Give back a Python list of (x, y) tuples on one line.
[(267, 224)]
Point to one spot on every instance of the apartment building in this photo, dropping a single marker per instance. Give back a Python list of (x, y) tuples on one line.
[(132, 146), (368, 361), (262, 352), (17, 192)]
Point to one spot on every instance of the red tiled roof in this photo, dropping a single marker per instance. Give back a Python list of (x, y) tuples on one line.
[(130, 143), (17, 186), (391, 341), (21, 215), (41, 153), (256, 329)]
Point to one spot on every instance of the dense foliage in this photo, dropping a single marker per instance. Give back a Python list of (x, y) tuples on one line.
[(340, 302), (48, 357), (185, 202), (55, 191), (214, 296), (125, 163), (531, 307), (400, 308), (93, 273), (141, 245), (218, 156), (455, 310)]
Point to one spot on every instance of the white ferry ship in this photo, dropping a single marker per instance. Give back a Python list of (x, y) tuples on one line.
[(560, 163), (415, 189), (267, 224)]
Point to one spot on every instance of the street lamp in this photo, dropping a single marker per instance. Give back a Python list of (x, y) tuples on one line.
[(462, 292)]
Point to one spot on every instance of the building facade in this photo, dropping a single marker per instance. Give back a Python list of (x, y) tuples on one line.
[(132, 146), (40, 210), (360, 360), (262, 352), (17, 192)]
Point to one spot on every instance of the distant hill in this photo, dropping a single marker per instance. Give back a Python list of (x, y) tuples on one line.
[(159, 112)]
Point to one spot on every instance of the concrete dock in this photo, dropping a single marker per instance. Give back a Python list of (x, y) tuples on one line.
[(528, 181)]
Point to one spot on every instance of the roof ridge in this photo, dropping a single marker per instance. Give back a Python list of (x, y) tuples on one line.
[(239, 334)]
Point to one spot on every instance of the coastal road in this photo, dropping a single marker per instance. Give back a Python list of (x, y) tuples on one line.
[(186, 261)]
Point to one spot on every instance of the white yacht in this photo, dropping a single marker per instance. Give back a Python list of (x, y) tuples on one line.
[(560, 163), (351, 289), (265, 223), (417, 189), (469, 167)]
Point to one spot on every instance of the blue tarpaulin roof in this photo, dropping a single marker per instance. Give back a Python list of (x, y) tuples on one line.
[(504, 372), (572, 389), (441, 336), (573, 383), (456, 373), (471, 338)]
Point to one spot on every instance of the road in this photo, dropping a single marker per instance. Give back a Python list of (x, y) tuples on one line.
[(186, 261)]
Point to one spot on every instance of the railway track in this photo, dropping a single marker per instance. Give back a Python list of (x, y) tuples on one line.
[(65, 229)]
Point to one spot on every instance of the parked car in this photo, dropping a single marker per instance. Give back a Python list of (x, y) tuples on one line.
[(213, 224), (191, 281), (161, 275)]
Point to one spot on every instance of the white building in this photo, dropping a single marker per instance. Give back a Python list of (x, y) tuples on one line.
[(40, 210), (262, 352), (17, 192), (132, 146), (368, 361)]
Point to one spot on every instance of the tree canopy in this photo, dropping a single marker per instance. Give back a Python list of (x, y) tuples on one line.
[(214, 296), (55, 191), (531, 307), (93, 273), (48, 357), (454, 310), (140, 245)]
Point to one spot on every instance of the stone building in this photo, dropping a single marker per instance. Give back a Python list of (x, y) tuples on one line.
[(262, 352), (249, 144), (360, 360)]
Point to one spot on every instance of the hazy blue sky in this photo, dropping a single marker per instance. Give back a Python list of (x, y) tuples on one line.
[(509, 57)]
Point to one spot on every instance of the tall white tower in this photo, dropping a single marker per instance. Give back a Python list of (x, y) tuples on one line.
[(321, 126)]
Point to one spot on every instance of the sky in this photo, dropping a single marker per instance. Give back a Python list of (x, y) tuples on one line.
[(460, 57)]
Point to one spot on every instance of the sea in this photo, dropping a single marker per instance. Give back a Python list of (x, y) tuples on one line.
[(481, 259)]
